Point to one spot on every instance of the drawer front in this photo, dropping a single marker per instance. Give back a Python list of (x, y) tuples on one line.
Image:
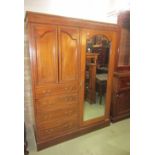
[(57, 102), (56, 122), (59, 130), (121, 84), (56, 115), (44, 117), (55, 89)]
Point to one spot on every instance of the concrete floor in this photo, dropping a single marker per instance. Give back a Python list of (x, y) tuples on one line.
[(112, 140)]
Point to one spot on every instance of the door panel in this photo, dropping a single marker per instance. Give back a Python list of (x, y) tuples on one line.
[(123, 102), (46, 54), (68, 54)]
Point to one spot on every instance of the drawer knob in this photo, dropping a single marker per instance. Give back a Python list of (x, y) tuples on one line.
[(117, 95), (128, 83)]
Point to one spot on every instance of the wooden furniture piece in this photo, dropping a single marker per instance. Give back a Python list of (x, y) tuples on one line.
[(101, 81), (120, 107), (91, 57), (121, 96), (57, 48), (123, 58), (91, 65)]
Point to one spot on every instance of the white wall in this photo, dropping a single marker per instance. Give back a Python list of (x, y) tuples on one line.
[(98, 10)]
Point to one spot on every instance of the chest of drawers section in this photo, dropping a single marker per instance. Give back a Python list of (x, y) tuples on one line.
[(56, 115)]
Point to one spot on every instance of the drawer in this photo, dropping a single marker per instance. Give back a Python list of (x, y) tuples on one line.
[(55, 89), (56, 102), (48, 133), (46, 117), (55, 122), (120, 84)]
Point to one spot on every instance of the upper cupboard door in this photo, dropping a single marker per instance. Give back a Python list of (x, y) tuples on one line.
[(46, 58), (69, 60)]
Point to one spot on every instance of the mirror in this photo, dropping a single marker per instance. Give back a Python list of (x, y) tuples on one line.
[(96, 71)]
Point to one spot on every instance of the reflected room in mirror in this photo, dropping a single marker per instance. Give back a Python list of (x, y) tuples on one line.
[(96, 71)]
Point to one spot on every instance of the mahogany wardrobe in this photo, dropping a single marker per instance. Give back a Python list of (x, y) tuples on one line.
[(72, 66)]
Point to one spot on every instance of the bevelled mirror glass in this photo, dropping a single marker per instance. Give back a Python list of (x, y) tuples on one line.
[(96, 71)]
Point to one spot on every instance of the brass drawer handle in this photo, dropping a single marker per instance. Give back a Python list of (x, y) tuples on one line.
[(70, 88), (46, 92), (69, 103)]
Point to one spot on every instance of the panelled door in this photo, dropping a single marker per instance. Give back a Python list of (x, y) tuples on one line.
[(45, 55), (68, 55)]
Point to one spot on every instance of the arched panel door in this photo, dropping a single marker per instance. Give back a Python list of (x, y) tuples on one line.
[(46, 54), (68, 54)]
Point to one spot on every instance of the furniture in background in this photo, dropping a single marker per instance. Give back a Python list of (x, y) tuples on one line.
[(57, 48), (120, 107), (91, 76), (101, 82), (121, 96)]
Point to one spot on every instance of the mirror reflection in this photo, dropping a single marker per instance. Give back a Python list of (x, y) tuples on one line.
[(96, 71)]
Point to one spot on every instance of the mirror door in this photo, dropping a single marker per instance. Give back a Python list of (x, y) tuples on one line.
[(96, 63)]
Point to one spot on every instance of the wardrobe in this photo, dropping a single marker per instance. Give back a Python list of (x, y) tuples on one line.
[(65, 71)]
